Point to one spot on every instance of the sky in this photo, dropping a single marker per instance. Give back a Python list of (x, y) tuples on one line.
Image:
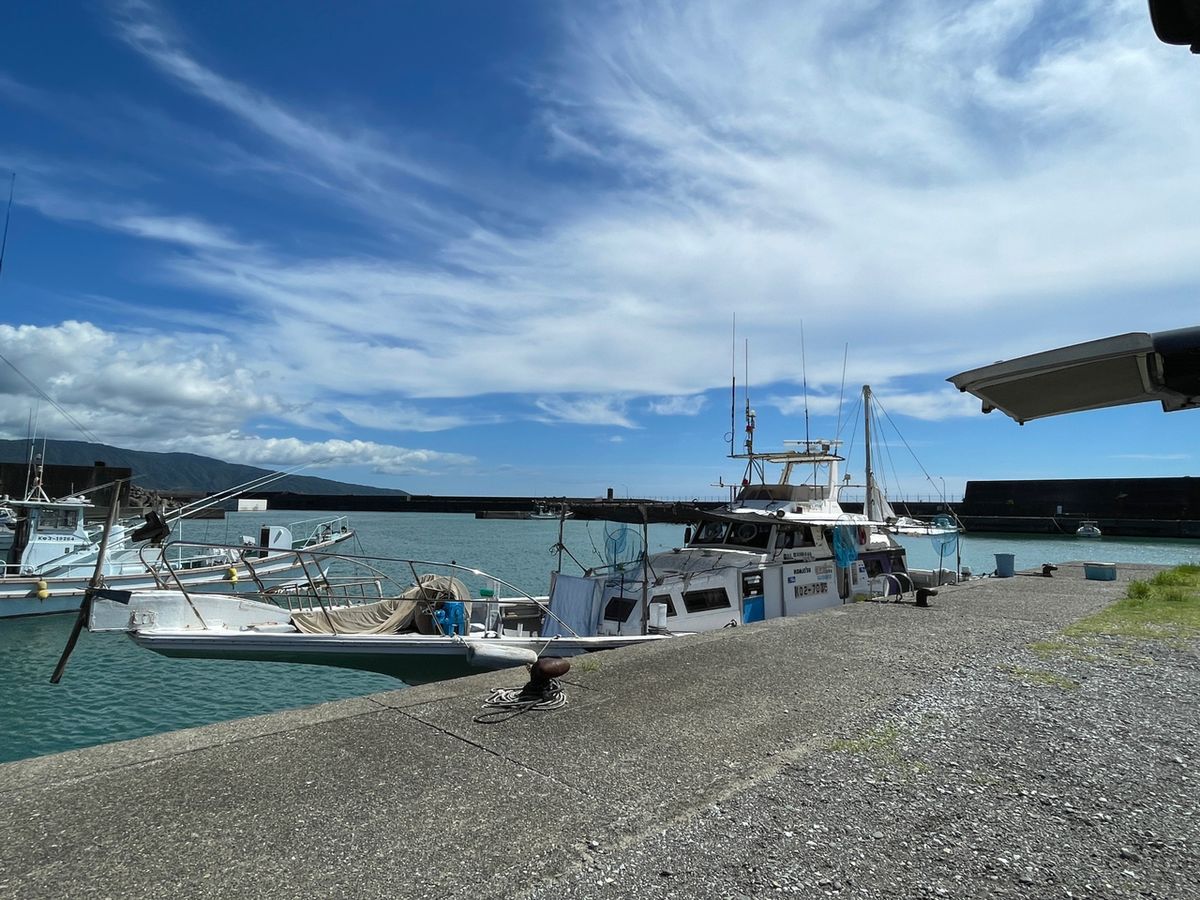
[(521, 248)]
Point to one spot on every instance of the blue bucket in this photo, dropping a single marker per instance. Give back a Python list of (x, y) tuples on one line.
[(1005, 565)]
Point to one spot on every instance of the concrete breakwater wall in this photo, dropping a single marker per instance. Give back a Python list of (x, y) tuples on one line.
[(1036, 507)]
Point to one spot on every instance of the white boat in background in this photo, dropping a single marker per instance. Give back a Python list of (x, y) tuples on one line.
[(1088, 529), (545, 511), (50, 552)]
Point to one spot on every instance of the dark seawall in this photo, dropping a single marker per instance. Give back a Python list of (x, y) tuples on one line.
[(1123, 507)]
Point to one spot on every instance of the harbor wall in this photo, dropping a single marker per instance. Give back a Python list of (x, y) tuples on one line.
[(1123, 507), (61, 481)]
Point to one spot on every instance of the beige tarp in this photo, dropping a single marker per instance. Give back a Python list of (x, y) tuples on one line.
[(411, 611)]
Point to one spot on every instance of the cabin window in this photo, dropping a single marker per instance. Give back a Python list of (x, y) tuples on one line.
[(619, 609), (749, 534), (702, 601), (710, 533), (794, 537), (57, 519), (665, 598), (873, 565)]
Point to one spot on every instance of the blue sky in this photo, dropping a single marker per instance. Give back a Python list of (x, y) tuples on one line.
[(499, 247)]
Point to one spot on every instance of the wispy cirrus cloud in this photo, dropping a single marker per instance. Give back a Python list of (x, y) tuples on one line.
[(585, 411), (934, 185), (678, 406), (352, 163), (143, 26), (288, 452), (930, 406)]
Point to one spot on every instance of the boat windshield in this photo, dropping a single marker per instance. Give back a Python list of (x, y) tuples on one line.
[(52, 519), (736, 534), (710, 533)]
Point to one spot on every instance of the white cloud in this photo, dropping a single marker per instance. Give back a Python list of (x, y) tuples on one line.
[(288, 452), (162, 393), (183, 230), (947, 403), (678, 406), (585, 411)]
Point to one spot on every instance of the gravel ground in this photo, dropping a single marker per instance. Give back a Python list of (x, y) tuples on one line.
[(1066, 772)]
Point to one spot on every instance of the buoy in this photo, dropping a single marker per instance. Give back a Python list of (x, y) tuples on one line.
[(43, 590), (231, 574)]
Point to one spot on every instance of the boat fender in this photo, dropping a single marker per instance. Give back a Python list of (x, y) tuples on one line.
[(43, 590), (494, 655), (862, 535), (231, 574)]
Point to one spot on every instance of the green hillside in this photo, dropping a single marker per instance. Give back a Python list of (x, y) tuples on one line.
[(178, 471)]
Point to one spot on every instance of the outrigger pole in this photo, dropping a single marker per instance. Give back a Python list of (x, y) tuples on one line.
[(96, 584)]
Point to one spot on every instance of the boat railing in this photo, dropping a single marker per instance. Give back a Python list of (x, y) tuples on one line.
[(317, 530), (321, 580)]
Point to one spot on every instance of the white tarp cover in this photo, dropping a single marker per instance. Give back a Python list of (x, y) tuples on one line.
[(412, 611)]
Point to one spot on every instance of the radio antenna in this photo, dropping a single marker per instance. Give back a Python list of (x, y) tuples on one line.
[(804, 373), (12, 186), (733, 388)]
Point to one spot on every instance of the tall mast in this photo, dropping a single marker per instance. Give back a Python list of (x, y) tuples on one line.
[(869, 506)]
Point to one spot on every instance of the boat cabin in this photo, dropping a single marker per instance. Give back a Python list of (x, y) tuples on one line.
[(46, 533), (733, 571)]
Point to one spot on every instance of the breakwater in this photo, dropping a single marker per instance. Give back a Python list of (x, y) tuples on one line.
[(1123, 507)]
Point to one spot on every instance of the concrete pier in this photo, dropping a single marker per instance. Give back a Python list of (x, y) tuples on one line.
[(402, 794)]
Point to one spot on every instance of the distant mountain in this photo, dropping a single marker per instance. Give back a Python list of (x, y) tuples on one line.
[(179, 471)]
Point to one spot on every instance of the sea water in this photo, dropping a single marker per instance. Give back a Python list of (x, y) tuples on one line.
[(113, 690)]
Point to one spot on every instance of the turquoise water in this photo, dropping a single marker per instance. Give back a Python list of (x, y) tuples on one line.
[(113, 690)]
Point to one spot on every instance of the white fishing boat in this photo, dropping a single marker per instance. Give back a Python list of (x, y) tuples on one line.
[(50, 551), (547, 511), (1088, 529), (777, 549), (351, 613)]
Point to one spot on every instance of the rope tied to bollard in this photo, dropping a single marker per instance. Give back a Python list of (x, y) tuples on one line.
[(542, 693)]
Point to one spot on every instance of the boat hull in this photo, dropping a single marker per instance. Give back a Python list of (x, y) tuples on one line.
[(413, 659)]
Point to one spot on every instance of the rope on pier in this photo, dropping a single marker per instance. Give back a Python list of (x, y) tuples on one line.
[(507, 703)]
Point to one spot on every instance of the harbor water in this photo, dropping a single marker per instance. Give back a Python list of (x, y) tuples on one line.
[(113, 690)]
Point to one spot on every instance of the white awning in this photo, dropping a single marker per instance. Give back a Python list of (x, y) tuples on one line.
[(1128, 368)]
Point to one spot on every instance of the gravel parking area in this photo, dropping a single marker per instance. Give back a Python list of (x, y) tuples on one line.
[(1067, 770)]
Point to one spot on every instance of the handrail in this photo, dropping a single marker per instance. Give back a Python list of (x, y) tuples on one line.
[(368, 563)]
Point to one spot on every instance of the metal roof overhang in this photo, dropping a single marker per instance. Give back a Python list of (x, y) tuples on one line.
[(1127, 368)]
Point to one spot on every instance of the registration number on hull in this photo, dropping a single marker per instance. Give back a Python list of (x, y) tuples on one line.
[(807, 590)]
